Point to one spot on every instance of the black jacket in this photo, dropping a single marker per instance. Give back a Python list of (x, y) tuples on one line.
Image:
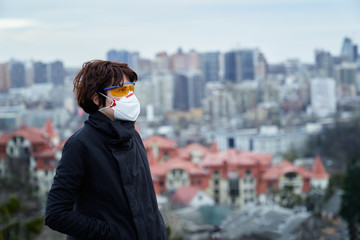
[(103, 187)]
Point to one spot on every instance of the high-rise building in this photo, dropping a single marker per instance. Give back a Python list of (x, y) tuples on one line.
[(345, 75), (349, 51), (210, 66), (57, 73), (247, 64), (40, 72), (161, 63), (242, 65), (193, 61), (124, 56), (232, 62), (5, 77), (323, 96), (181, 95), (196, 89), (17, 72), (178, 61), (324, 63), (261, 66)]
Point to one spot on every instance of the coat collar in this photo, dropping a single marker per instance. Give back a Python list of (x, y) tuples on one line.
[(115, 130)]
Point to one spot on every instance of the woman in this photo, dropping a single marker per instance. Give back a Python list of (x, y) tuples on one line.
[(103, 187)]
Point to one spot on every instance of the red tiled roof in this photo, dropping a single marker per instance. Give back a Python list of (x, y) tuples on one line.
[(318, 169), (49, 128), (174, 163), (184, 195), (214, 147), (233, 157), (161, 141), (33, 134), (275, 171), (186, 151)]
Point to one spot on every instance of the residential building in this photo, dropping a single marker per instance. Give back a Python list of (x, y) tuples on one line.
[(231, 177), (191, 197), (210, 66), (324, 63), (40, 72), (17, 72), (124, 56), (5, 77), (323, 96), (29, 149), (232, 66), (57, 73), (345, 75), (161, 63), (275, 141)]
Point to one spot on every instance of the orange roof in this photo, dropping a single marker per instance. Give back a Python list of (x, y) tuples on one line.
[(233, 157), (275, 171), (214, 147), (184, 195), (161, 141), (33, 134), (49, 128), (318, 169), (162, 169), (186, 151)]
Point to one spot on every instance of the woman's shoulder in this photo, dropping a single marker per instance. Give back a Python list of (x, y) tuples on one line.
[(80, 137)]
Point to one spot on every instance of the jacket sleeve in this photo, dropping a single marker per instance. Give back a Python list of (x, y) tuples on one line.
[(60, 214)]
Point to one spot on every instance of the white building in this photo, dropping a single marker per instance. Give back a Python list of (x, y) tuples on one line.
[(323, 96)]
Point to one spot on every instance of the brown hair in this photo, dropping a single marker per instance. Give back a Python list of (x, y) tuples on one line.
[(96, 75)]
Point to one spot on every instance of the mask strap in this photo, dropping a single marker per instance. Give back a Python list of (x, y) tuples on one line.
[(113, 104)]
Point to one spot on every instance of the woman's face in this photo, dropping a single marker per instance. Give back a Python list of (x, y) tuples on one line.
[(108, 111)]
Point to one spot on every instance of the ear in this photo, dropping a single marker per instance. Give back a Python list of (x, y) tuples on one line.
[(95, 99)]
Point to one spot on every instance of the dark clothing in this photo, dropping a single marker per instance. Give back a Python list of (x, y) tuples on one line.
[(103, 187)]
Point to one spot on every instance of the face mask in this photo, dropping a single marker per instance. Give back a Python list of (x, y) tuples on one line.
[(127, 108)]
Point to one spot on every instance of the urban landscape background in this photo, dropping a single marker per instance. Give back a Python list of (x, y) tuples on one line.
[(251, 125)]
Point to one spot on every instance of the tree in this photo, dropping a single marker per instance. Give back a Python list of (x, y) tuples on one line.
[(350, 205), (339, 142)]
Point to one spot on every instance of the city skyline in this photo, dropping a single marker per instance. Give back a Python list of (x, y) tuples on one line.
[(75, 32)]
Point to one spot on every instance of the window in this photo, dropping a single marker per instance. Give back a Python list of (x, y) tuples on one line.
[(199, 182), (231, 142)]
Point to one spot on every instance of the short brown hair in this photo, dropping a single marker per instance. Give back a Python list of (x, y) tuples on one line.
[(96, 75)]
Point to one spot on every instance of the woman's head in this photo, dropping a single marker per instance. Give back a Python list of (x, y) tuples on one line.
[(96, 75)]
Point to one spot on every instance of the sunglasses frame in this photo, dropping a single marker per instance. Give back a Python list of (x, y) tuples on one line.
[(120, 85)]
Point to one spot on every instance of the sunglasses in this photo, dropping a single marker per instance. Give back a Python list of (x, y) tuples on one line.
[(121, 90)]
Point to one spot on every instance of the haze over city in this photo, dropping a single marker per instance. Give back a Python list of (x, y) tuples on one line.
[(77, 31)]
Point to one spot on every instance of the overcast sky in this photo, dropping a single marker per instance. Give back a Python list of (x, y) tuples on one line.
[(79, 30)]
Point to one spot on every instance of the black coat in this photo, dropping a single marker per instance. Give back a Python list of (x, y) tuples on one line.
[(103, 187)]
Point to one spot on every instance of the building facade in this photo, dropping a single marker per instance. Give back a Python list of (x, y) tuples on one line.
[(231, 177)]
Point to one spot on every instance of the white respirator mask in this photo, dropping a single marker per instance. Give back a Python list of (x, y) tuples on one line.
[(127, 108)]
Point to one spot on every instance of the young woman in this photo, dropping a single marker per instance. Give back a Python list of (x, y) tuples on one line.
[(103, 187)]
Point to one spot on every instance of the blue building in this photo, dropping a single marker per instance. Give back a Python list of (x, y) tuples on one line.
[(210, 66), (17, 73)]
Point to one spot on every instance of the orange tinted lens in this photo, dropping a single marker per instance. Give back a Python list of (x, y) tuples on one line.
[(122, 91)]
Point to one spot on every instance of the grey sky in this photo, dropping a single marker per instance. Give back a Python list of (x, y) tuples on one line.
[(77, 31)]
